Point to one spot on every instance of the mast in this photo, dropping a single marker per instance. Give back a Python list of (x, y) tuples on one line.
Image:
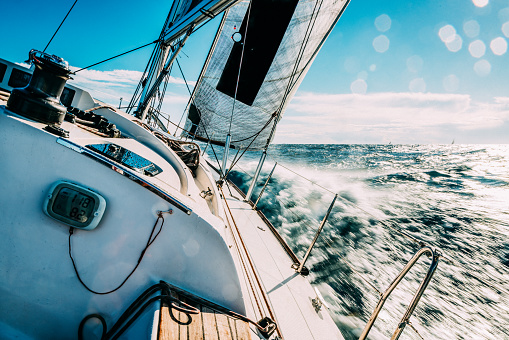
[(183, 17)]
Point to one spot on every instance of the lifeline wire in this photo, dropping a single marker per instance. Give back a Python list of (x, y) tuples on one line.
[(49, 42)]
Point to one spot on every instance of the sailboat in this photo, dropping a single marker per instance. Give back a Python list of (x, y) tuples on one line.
[(112, 227)]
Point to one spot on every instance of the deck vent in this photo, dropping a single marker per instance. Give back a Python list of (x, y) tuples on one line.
[(39, 100)]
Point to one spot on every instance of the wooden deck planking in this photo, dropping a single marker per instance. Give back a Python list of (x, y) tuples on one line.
[(210, 324)]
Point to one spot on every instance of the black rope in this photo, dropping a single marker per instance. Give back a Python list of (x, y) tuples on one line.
[(150, 240), (121, 54), (49, 42), (133, 312)]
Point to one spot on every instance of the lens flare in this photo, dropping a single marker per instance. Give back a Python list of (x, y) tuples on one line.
[(359, 86), (471, 28), (480, 3), (383, 23), (477, 49), (482, 68), (381, 43), (417, 85), (451, 83), (498, 46)]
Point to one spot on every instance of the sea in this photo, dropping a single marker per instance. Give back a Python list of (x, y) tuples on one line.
[(392, 200)]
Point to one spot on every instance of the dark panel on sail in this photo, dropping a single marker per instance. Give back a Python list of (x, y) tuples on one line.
[(268, 22), (194, 117)]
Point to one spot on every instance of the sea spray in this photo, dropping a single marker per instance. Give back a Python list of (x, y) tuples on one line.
[(453, 197)]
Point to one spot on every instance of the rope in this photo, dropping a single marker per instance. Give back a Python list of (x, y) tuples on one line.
[(49, 42), (118, 55), (150, 240)]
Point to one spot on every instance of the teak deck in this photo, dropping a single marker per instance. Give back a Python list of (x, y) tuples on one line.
[(208, 325)]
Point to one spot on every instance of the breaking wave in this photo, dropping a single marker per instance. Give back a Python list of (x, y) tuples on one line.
[(452, 197)]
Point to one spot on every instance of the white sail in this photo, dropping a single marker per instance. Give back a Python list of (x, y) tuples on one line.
[(275, 52)]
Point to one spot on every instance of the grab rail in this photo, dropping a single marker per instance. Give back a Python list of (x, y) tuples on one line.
[(415, 300)]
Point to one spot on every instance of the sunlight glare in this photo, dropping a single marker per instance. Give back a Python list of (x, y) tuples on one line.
[(455, 45), (477, 48), (359, 86), (383, 23), (482, 68), (471, 28), (381, 43), (480, 3), (451, 83), (417, 85), (362, 75), (414, 64), (505, 29), (498, 46), (447, 33)]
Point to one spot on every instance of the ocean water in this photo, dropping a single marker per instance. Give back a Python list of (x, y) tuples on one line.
[(452, 197)]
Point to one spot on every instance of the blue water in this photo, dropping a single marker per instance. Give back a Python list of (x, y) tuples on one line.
[(452, 197)]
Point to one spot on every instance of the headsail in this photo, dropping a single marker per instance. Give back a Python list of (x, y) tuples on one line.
[(273, 42)]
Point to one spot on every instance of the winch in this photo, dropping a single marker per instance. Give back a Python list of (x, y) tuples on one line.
[(40, 99)]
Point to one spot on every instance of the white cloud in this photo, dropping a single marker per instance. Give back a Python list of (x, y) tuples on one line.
[(110, 86), (383, 117)]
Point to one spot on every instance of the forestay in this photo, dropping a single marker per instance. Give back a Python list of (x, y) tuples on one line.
[(273, 54)]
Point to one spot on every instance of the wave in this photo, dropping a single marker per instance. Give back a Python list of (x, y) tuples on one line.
[(451, 197)]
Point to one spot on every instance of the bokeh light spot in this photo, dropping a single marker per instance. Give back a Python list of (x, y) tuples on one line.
[(480, 3), (503, 14), (417, 85), (362, 75), (455, 44), (471, 28), (477, 48), (505, 29), (383, 23), (482, 68), (359, 86), (447, 33), (498, 46), (414, 64), (372, 67), (352, 65), (451, 83), (381, 43)]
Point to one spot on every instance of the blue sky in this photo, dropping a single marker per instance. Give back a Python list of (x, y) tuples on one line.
[(391, 71)]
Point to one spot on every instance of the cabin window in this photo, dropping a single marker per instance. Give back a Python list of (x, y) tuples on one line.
[(3, 68), (19, 78), (127, 158), (67, 96)]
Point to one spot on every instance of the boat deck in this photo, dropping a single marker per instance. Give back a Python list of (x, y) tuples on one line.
[(274, 288), (210, 324)]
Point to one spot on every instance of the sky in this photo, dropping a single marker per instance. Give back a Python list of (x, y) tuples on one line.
[(404, 72)]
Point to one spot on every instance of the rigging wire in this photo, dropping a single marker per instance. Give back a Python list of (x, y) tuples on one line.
[(49, 42), (199, 113), (302, 49), (118, 55), (240, 65)]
